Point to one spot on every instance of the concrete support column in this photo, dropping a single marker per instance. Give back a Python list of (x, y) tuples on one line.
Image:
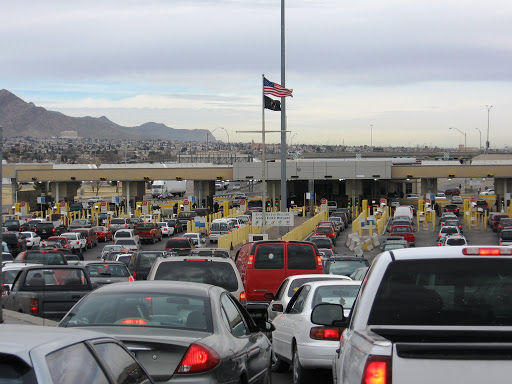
[(57, 192), (506, 195), (204, 190), (428, 186), (64, 190), (311, 189), (274, 191), (133, 190)]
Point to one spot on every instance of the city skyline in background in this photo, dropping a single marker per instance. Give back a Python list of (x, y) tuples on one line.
[(394, 74)]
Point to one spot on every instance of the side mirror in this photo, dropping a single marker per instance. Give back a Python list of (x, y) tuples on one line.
[(277, 307), (266, 326), (269, 296), (327, 314)]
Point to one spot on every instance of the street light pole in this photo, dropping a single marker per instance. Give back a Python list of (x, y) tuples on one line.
[(464, 133), (487, 142), (479, 131), (371, 135)]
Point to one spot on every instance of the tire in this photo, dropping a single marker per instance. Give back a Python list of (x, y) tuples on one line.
[(279, 365), (299, 374)]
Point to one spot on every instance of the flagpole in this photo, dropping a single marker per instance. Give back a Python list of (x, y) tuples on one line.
[(284, 149), (263, 171)]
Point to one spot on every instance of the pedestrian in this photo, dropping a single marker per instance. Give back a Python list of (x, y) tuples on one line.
[(216, 207)]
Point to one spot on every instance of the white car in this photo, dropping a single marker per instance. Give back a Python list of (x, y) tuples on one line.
[(298, 340), (32, 238), (197, 239), (453, 241), (77, 240), (488, 192), (287, 289), (130, 243), (124, 233), (448, 230), (167, 230), (456, 199)]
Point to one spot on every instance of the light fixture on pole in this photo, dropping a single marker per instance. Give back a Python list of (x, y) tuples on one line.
[(463, 133), (480, 132), (371, 135), (488, 117), (229, 145), (291, 138)]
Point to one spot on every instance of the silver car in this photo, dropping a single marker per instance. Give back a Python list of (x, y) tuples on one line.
[(182, 332), (288, 288), (35, 354)]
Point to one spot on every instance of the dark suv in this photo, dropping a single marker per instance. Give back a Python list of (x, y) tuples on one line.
[(141, 262), (45, 229), (180, 245), (15, 242), (16, 225)]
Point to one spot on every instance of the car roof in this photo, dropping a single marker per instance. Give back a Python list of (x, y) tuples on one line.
[(439, 253), (89, 262), (324, 283), (157, 286), (340, 258), (316, 276), (19, 266), (19, 339), (215, 259)]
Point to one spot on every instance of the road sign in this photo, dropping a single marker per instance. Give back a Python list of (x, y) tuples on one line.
[(62, 203), (186, 202), (22, 203), (382, 200), (323, 201), (144, 202), (103, 203), (279, 219), (473, 199)]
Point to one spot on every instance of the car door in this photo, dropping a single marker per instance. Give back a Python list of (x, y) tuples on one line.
[(272, 313), (282, 337)]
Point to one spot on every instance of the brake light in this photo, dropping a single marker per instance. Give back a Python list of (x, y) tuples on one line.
[(377, 370), (323, 333), (53, 229), (199, 358), (34, 305), (195, 260), (487, 251), (250, 261), (501, 243), (134, 275), (19, 229), (125, 225), (319, 260), (130, 278), (134, 322), (78, 242), (243, 298)]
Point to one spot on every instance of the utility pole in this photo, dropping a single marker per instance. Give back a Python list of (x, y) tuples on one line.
[(488, 119)]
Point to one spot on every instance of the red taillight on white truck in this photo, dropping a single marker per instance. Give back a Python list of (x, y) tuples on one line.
[(377, 370)]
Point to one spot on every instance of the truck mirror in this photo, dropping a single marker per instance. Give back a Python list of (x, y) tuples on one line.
[(327, 314)]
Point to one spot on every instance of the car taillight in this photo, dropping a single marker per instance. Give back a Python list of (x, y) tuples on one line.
[(209, 232), (53, 229), (34, 305), (130, 278), (19, 229), (125, 225), (377, 370), (319, 260), (476, 251), (3, 292), (501, 243), (134, 275), (324, 333), (199, 358), (250, 262), (134, 322), (243, 298), (78, 242)]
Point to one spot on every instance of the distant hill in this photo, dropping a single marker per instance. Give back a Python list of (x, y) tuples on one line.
[(20, 118)]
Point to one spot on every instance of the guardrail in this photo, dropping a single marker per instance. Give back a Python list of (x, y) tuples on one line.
[(300, 232)]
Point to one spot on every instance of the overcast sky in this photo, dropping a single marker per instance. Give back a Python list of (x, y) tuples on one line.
[(411, 69)]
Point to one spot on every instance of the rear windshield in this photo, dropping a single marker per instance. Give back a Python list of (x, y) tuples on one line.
[(123, 234), (55, 278), (506, 235), (145, 226), (269, 256), (401, 230), (344, 267), (388, 247), (301, 257), (295, 284), (107, 270), (146, 260), (206, 272), (118, 221), (456, 241), (341, 294), (323, 230), (51, 258), (178, 244), (219, 227), (449, 230), (126, 241), (145, 310), (322, 243), (12, 222), (468, 292)]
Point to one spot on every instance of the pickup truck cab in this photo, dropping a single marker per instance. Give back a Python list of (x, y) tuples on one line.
[(405, 231), (48, 291), (149, 232), (429, 315)]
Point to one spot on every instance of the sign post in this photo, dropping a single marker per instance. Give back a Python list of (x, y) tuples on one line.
[(186, 205), (145, 207), (243, 206), (103, 207), (63, 207), (323, 204)]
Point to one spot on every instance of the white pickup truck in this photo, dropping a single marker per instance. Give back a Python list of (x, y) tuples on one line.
[(430, 315)]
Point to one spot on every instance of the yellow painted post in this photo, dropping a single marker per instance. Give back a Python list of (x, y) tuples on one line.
[(225, 208), (370, 229), (365, 209), (485, 221), (433, 215)]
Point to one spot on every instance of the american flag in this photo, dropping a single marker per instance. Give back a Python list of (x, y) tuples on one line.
[(274, 89)]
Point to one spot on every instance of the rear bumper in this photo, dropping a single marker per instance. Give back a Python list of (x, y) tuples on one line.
[(317, 356)]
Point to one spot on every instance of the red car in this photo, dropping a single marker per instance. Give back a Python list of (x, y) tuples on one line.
[(405, 231), (64, 242), (326, 231), (103, 233), (451, 208), (452, 192)]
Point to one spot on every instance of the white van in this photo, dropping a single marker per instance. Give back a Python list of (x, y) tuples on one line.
[(404, 211), (218, 228)]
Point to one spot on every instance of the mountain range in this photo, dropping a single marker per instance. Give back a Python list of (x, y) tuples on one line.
[(19, 118)]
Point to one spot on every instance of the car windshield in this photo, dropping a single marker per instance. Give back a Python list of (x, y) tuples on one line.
[(206, 272), (447, 292), (145, 309), (344, 267), (107, 270), (50, 258), (219, 227), (341, 294)]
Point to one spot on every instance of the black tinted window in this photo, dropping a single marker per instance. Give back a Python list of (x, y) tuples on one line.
[(75, 364), (301, 257), (269, 256), (506, 235), (206, 272), (146, 260), (14, 370), (178, 244), (125, 369), (445, 292)]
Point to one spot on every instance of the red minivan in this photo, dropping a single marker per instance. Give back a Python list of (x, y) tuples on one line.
[(263, 265)]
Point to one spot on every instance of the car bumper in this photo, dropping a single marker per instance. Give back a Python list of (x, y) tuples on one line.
[(318, 355)]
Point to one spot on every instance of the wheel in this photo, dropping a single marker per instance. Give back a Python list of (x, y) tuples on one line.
[(279, 365), (300, 375)]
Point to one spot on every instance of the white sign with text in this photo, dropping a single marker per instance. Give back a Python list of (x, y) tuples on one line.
[(278, 219)]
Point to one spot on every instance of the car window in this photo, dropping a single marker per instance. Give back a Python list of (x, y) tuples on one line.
[(107, 270), (235, 319), (301, 257), (126, 242), (178, 244), (341, 294), (125, 369), (75, 364), (300, 301), (295, 284), (146, 260), (280, 291), (269, 256), (221, 274), (344, 267)]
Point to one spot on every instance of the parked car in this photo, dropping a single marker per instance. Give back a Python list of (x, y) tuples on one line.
[(279, 301), (263, 265), (31, 238), (452, 192), (301, 341), (219, 271), (203, 333), (40, 354)]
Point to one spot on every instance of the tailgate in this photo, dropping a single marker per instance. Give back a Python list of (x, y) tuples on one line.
[(57, 304), (468, 363)]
